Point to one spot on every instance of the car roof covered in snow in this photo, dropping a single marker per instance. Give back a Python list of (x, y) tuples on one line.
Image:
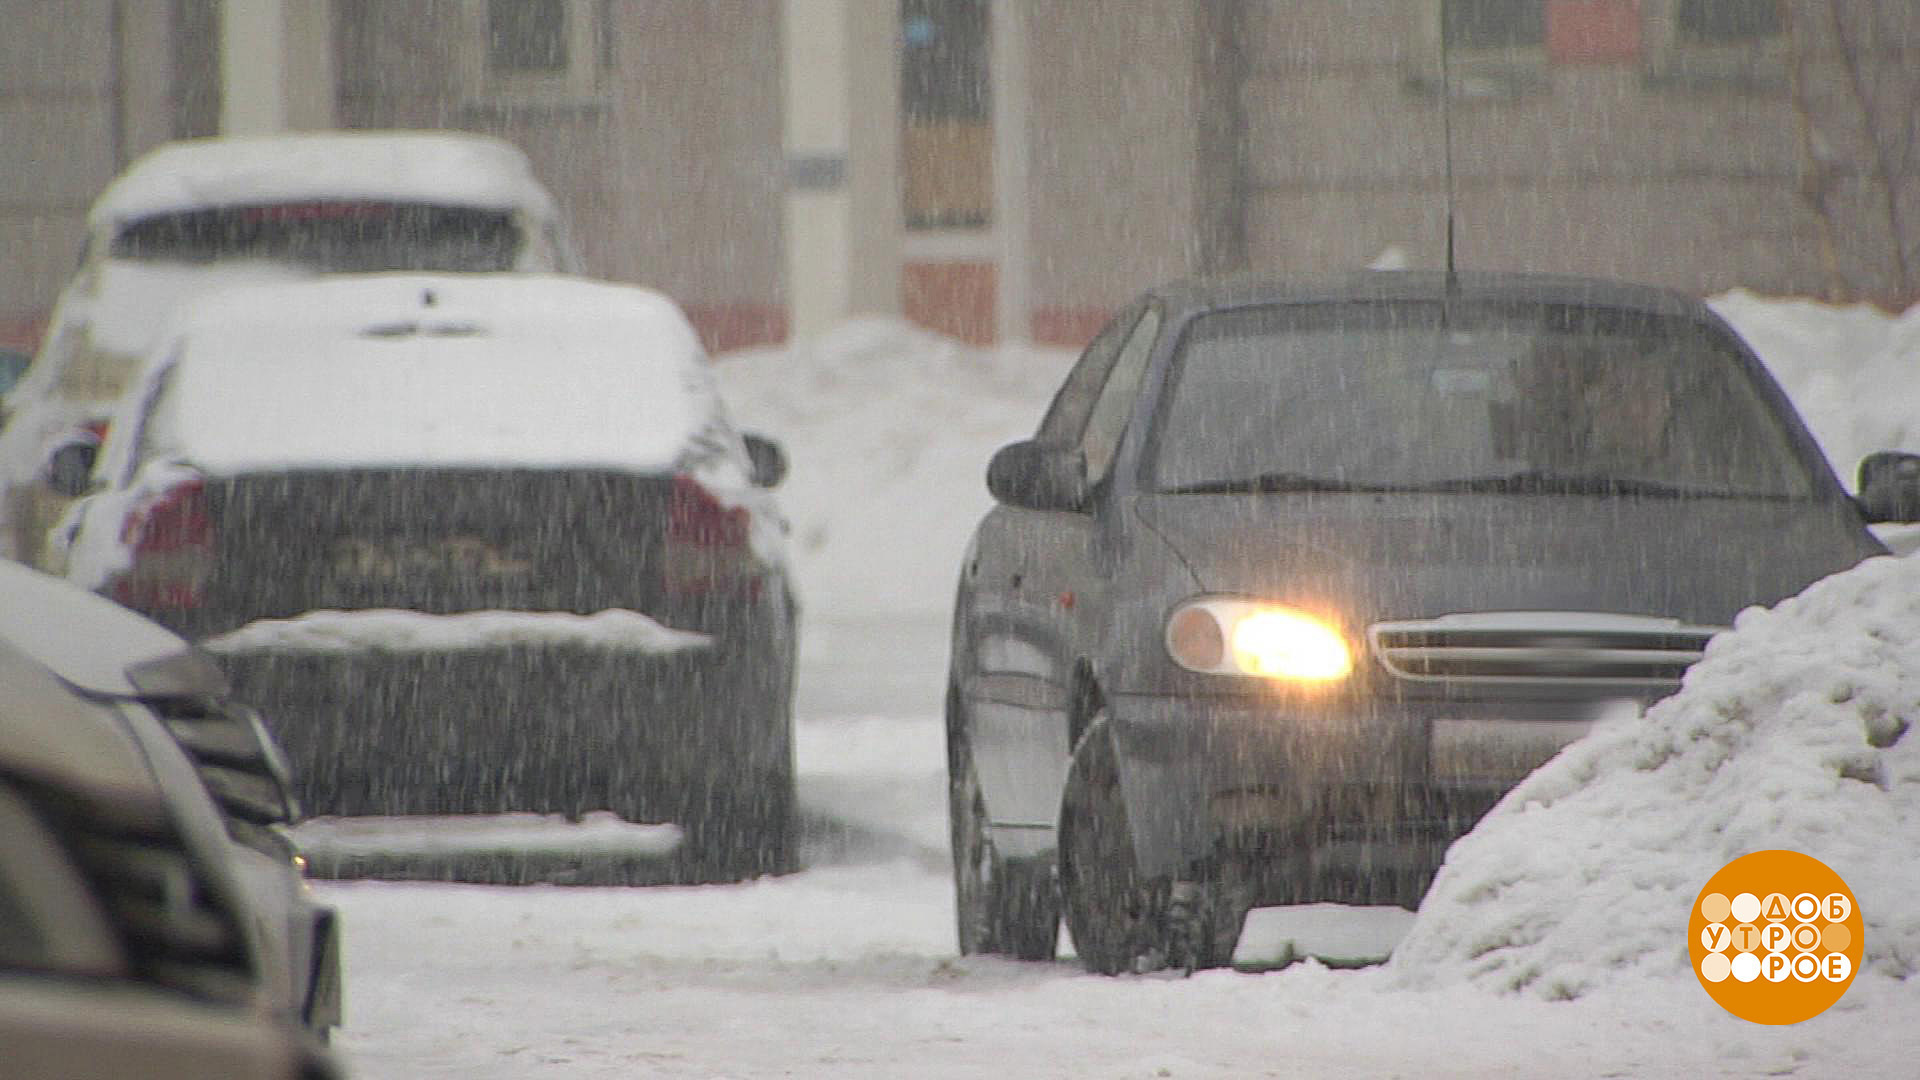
[(424, 369), (1194, 295), (438, 167)]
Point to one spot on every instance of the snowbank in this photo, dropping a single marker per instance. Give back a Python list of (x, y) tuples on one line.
[(426, 836), (1791, 733), (889, 429), (1849, 370)]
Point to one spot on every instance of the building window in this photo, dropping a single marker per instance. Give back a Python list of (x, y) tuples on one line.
[(1495, 49), (946, 114), (1719, 21), (1715, 45), (1493, 24), (526, 36), (539, 50)]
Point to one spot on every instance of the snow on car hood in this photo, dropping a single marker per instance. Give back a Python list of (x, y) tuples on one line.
[(1793, 732), (445, 168), (426, 370), (87, 640)]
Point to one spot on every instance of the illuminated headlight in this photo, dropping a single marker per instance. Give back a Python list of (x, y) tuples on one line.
[(1220, 635)]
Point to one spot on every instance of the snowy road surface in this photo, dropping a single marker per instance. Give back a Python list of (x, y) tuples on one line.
[(848, 969)]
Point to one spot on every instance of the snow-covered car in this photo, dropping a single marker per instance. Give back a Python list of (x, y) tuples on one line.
[(200, 214), (135, 943), (475, 544), (1296, 581), (120, 661)]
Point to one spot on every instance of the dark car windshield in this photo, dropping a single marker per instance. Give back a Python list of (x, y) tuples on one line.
[(1521, 398), (331, 236)]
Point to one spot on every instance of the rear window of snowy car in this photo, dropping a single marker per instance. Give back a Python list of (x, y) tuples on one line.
[(1404, 394), (330, 236)]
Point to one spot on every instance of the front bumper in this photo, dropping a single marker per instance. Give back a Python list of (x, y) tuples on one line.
[(1351, 801)]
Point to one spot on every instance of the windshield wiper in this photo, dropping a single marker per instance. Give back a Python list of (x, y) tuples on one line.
[(1550, 482), (1275, 482)]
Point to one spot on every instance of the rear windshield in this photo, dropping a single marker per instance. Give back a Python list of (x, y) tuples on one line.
[(331, 236), (1521, 397)]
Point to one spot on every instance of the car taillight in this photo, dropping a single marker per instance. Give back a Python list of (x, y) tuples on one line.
[(171, 539), (707, 542)]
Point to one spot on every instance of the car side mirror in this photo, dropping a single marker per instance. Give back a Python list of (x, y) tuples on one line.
[(70, 469), (769, 461), (1890, 488), (1039, 477)]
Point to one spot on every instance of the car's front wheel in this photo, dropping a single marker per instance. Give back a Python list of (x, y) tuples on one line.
[(1122, 920), (1004, 906)]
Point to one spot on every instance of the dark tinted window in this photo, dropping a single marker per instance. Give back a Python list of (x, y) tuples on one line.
[(1385, 394), (1728, 20), (331, 236), (1066, 418), (1115, 407), (1494, 24), (526, 35)]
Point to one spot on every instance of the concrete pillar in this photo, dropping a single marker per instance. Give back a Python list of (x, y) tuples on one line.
[(841, 123), (276, 66), (1013, 306)]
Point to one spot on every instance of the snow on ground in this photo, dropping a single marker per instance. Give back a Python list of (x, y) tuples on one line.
[(431, 836), (848, 969), (1848, 368), (888, 429)]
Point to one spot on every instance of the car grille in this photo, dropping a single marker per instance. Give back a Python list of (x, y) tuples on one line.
[(238, 761), (176, 931), (1572, 648)]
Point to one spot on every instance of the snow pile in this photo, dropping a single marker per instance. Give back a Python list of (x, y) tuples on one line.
[(1849, 370), (1789, 734), (388, 630), (426, 836), (889, 429)]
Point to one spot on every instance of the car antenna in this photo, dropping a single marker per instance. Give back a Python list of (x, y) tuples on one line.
[(1446, 129)]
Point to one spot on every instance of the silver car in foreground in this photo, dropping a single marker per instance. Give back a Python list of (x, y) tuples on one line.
[(201, 869)]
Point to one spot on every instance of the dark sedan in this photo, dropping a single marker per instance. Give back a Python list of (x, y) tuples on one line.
[(1294, 582)]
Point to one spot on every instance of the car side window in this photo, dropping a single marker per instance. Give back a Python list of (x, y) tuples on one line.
[(1067, 417), (1114, 407)]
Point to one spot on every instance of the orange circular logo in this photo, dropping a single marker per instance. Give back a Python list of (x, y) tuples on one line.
[(1775, 937)]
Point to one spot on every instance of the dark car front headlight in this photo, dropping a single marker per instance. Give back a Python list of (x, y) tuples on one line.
[(1221, 635)]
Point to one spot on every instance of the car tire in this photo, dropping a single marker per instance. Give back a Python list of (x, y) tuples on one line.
[(1005, 907), (1122, 921)]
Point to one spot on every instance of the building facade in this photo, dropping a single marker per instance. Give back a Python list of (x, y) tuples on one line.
[(1016, 168)]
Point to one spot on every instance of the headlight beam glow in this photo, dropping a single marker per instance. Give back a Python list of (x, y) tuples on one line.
[(1232, 636)]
